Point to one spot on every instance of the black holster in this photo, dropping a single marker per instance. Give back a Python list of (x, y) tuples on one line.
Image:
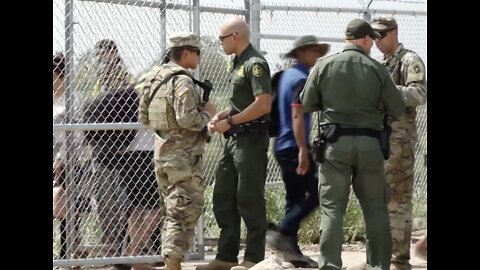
[(318, 149), (327, 134), (385, 138)]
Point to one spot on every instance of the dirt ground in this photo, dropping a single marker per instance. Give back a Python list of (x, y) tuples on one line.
[(351, 255)]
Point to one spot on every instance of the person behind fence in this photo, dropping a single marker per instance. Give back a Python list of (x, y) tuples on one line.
[(240, 177), (171, 104), (110, 196), (135, 167), (292, 150), (408, 72), (128, 156), (352, 92), (128, 152), (112, 72), (81, 203)]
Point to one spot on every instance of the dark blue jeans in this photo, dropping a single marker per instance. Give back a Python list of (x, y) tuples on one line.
[(301, 192)]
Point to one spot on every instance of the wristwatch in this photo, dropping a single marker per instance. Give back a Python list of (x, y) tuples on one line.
[(230, 120)]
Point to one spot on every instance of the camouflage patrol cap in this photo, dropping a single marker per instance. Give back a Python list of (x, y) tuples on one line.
[(180, 39), (384, 24), (359, 29)]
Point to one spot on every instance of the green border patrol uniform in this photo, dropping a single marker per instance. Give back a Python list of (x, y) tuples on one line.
[(240, 178), (353, 91)]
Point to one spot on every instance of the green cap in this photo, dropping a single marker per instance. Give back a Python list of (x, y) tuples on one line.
[(359, 29)]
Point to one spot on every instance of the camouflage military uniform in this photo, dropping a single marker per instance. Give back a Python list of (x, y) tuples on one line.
[(174, 114), (408, 73)]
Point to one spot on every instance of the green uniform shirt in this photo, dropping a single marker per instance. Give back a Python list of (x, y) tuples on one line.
[(352, 89), (250, 77)]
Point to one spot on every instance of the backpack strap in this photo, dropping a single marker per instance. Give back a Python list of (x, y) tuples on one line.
[(164, 81), (169, 77)]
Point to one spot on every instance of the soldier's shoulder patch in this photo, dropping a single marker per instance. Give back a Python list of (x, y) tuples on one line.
[(182, 85), (181, 90), (411, 58), (257, 70), (416, 71)]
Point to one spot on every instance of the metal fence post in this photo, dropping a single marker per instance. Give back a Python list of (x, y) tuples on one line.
[(366, 15), (196, 28), (69, 74), (163, 28), (197, 74), (255, 23), (247, 8)]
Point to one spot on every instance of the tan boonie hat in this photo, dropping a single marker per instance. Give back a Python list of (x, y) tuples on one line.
[(384, 24), (308, 41), (180, 39)]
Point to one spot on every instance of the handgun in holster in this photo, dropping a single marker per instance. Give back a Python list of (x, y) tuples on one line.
[(327, 134), (385, 138)]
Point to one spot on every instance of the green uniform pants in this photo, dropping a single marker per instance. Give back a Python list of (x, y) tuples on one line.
[(356, 161), (239, 192)]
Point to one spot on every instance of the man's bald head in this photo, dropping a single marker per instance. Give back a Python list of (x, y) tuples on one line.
[(235, 24), (234, 35)]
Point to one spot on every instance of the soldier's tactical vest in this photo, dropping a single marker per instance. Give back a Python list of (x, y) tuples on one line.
[(405, 126), (160, 114)]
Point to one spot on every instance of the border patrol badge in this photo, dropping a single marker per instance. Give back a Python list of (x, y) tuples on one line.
[(257, 71), (241, 71)]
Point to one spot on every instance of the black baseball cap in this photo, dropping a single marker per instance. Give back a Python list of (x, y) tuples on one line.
[(359, 29)]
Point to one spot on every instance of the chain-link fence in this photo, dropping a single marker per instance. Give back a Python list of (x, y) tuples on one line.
[(113, 210)]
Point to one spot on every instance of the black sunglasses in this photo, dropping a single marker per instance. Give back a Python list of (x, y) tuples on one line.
[(383, 34), (226, 36)]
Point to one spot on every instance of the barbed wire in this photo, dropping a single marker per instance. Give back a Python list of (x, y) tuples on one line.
[(403, 1)]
